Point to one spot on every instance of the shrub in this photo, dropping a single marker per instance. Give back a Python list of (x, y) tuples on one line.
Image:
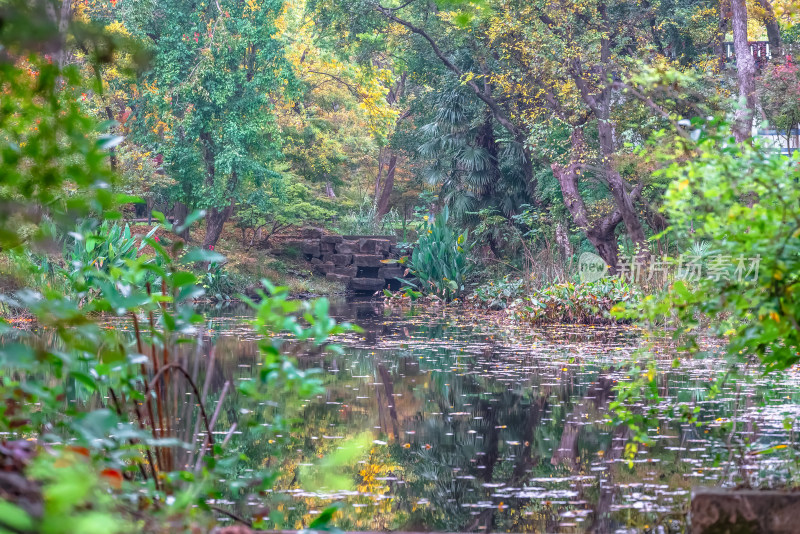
[(586, 303), (499, 294), (745, 200), (365, 221), (439, 260)]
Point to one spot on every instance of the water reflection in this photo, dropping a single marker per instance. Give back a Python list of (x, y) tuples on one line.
[(478, 426)]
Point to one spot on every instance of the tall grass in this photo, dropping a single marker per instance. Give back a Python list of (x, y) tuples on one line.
[(365, 221)]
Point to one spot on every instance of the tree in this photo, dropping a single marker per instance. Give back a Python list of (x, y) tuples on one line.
[(745, 71), (556, 64), (207, 104), (779, 92), (767, 16)]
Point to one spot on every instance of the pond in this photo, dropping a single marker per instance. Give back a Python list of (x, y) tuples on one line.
[(449, 422)]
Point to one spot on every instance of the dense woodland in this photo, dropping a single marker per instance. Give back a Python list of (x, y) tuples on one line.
[(155, 155), (520, 118)]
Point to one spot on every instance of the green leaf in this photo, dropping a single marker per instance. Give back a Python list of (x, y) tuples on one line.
[(198, 254), (14, 517)]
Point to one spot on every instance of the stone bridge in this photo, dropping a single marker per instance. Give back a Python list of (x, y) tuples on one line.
[(357, 261)]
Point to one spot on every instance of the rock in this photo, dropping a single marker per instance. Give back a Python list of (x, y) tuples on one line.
[(324, 268), (335, 239), (292, 243), (315, 261), (347, 247), (338, 278), (312, 233), (367, 284), (367, 260), (391, 271), (311, 247), (350, 270), (327, 248), (374, 246), (340, 260), (391, 238), (716, 510)]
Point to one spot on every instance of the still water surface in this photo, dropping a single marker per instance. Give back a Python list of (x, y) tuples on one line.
[(463, 424)]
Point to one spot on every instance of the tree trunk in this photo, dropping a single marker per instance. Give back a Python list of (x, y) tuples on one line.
[(622, 198), (215, 221), (388, 185), (329, 190), (379, 177), (61, 21), (601, 232), (745, 71), (722, 29), (179, 214), (773, 30)]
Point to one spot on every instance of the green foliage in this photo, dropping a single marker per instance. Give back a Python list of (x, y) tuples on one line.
[(779, 94), (295, 206), (219, 283), (587, 303), (107, 247), (440, 259), (365, 221), (790, 34), (206, 102), (499, 294), (52, 156), (742, 199), (88, 362), (87, 385), (474, 167)]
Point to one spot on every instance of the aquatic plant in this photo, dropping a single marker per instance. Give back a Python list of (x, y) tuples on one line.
[(498, 294), (587, 303), (440, 259)]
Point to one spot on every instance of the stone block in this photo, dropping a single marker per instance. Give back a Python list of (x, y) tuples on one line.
[(374, 246), (324, 268), (367, 260), (315, 261), (340, 260), (367, 284), (327, 248), (391, 271), (391, 238), (347, 247), (311, 247), (311, 233), (715, 510), (338, 278), (334, 239), (350, 270)]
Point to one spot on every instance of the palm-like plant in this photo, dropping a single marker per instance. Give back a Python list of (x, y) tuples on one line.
[(474, 168), (439, 260)]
